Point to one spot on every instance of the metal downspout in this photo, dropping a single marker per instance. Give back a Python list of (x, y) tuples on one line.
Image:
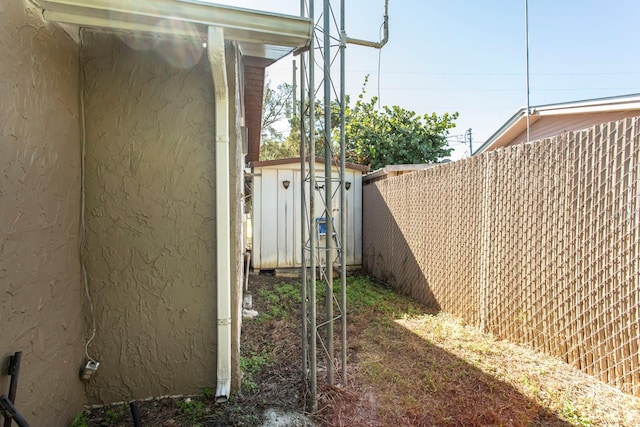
[(217, 60)]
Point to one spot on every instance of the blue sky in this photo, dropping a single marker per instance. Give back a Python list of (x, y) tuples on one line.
[(469, 56)]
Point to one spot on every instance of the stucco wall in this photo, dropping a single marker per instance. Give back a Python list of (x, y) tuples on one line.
[(150, 216), (40, 287)]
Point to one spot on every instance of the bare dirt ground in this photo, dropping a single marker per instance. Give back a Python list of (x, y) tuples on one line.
[(408, 366)]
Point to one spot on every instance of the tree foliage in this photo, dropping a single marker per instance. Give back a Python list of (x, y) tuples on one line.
[(285, 147), (373, 137), (274, 144), (276, 107), (394, 135)]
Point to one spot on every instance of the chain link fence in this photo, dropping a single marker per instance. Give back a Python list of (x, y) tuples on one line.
[(538, 244)]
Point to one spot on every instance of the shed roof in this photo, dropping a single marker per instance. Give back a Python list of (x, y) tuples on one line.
[(518, 122), (294, 160)]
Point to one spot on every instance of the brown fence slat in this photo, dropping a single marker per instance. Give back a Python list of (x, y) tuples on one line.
[(538, 244)]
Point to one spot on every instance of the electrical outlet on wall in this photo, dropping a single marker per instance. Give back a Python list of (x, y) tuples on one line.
[(89, 370)]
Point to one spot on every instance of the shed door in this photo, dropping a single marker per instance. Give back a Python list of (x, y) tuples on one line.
[(277, 219)]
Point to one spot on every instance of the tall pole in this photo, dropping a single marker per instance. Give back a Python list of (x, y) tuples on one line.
[(328, 189), (312, 235), (312, 254), (304, 334), (470, 143), (294, 89), (526, 38), (343, 202)]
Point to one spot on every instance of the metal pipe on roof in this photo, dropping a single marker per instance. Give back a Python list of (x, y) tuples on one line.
[(385, 32)]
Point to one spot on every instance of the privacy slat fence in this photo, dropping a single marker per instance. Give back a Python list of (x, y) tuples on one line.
[(538, 244)]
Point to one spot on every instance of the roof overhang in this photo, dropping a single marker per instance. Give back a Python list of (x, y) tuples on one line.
[(517, 124), (262, 35), (508, 131)]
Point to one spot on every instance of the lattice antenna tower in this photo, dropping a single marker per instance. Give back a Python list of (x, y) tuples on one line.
[(323, 223)]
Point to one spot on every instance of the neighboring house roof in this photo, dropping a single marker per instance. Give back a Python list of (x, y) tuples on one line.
[(553, 119)]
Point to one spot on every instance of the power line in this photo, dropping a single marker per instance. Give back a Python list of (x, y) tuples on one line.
[(473, 73), (502, 90), (445, 73)]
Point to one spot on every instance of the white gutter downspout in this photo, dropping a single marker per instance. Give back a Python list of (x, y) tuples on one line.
[(217, 60)]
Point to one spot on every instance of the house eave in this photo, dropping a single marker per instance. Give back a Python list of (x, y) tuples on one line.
[(518, 122), (264, 35), (512, 126)]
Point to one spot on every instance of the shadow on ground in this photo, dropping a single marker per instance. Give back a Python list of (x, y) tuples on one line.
[(401, 379)]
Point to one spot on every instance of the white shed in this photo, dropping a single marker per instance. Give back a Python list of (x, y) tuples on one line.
[(276, 216)]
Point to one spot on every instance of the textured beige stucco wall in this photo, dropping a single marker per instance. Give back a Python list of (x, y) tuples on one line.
[(150, 216), (40, 286)]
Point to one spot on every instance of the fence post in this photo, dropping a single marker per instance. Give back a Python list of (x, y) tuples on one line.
[(484, 253)]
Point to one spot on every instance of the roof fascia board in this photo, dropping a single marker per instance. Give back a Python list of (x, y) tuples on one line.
[(503, 130), (588, 109), (104, 22), (611, 100), (242, 25), (614, 103)]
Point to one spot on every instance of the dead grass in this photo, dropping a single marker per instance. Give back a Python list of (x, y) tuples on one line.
[(414, 367), (408, 366), (550, 383)]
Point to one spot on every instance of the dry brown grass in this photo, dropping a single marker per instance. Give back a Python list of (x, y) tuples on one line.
[(409, 366), (545, 380), (413, 367)]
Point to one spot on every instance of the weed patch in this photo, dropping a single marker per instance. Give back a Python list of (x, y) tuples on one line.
[(250, 366), (192, 410), (281, 302), (408, 365), (114, 414), (80, 420)]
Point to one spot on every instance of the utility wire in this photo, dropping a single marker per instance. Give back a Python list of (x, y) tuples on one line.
[(83, 154)]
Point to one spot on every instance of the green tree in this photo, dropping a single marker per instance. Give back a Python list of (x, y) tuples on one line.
[(281, 149), (276, 107), (276, 111), (276, 146), (373, 137), (394, 135)]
